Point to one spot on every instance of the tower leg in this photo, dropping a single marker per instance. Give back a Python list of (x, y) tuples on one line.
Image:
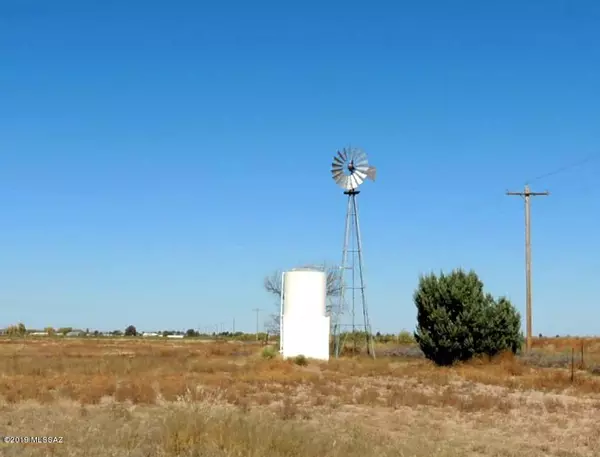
[(365, 309), (340, 308)]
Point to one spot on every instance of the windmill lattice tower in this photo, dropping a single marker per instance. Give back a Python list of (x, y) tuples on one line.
[(349, 170)]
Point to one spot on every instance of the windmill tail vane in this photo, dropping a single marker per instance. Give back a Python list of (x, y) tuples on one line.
[(371, 173)]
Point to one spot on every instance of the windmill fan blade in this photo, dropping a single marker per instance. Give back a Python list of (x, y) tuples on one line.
[(361, 174), (360, 164), (351, 153), (337, 161), (336, 166), (351, 182), (350, 185), (362, 169), (342, 155), (344, 182), (360, 156), (357, 179), (336, 174)]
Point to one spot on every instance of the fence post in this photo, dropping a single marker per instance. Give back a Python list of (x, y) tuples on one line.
[(572, 364)]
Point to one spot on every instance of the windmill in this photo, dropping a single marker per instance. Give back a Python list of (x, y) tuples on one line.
[(349, 170)]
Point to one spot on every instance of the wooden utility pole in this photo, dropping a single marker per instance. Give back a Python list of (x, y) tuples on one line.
[(257, 311), (526, 194)]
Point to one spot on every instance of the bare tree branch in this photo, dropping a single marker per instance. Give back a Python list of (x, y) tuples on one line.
[(272, 324), (334, 282), (272, 285)]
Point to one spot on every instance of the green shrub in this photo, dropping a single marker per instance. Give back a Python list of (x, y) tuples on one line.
[(405, 337), (269, 352), (456, 320), (301, 360), (131, 331)]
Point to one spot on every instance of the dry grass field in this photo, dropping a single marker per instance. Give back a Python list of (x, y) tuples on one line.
[(132, 397)]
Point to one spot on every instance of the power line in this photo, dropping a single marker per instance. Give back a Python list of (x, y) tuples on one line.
[(564, 168), (475, 208), (527, 194)]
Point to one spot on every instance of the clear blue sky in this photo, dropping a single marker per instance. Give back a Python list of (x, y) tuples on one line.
[(157, 159)]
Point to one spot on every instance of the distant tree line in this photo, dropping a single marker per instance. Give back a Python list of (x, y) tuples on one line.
[(20, 330)]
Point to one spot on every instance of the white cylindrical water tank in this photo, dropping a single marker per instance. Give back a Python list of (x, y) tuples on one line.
[(304, 324), (304, 293)]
